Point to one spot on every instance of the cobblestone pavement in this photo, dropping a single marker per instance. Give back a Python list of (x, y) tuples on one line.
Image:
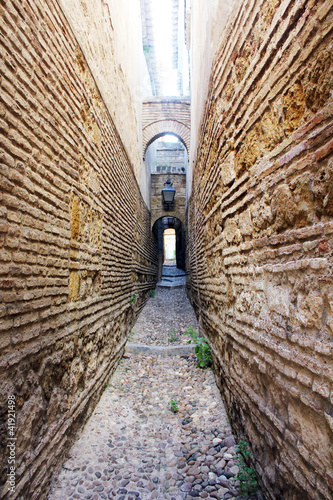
[(165, 319), (135, 447)]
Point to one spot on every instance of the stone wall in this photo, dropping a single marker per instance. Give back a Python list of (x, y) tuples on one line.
[(75, 241), (157, 207), (109, 33), (171, 157), (260, 242), (207, 21)]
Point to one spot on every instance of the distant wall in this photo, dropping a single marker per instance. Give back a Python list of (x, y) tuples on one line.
[(260, 236), (157, 207), (165, 115), (170, 157), (75, 241)]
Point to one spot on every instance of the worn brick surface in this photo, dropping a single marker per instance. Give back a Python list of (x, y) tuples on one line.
[(260, 238), (166, 115), (177, 209), (75, 240)]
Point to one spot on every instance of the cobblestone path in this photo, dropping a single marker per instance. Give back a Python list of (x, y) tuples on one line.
[(165, 319), (134, 447)]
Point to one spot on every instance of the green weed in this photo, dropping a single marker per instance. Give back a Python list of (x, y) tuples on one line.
[(174, 405), (173, 336), (133, 298), (246, 475), (202, 349)]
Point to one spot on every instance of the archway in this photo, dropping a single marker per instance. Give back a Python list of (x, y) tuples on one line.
[(162, 133), (170, 115), (159, 227), (167, 160)]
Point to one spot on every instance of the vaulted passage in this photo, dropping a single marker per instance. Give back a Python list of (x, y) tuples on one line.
[(120, 120)]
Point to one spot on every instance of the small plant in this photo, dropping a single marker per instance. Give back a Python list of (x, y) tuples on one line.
[(152, 293), (246, 475), (202, 349), (174, 405), (173, 337), (133, 298)]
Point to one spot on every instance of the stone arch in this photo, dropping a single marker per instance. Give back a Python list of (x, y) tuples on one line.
[(178, 215), (162, 127)]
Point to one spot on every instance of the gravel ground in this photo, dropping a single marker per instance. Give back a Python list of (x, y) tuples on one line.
[(164, 319), (134, 446)]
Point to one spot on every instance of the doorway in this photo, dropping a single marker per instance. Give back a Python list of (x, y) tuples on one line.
[(173, 242), (169, 245)]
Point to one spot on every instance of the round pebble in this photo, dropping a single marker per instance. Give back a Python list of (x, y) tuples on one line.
[(134, 446)]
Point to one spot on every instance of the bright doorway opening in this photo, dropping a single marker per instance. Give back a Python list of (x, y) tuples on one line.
[(169, 244)]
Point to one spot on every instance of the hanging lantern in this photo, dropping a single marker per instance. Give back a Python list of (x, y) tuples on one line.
[(168, 193)]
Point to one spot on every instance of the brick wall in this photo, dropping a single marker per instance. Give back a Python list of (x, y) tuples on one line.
[(75, 240), (109, 33), (260, 242), (166, 115), (178, 207)]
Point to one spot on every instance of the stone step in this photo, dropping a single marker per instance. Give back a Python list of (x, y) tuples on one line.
[(172, 271), (172, 278), (156, 350), (175, 283), (173, 275)]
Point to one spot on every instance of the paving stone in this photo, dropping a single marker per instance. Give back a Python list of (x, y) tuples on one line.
[(155, 453), (229, 441)]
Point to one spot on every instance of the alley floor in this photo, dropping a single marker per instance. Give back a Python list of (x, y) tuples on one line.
[(134, 446)]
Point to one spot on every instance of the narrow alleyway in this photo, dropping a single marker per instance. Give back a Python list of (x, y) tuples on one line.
[(134, 446)]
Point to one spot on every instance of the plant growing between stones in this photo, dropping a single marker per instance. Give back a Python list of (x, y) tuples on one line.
[(173, 337), (152, 293), (202, 349), (246, 475), (133, 298), (174, 405)]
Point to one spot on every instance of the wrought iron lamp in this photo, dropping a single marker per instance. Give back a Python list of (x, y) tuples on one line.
[(168, 194)]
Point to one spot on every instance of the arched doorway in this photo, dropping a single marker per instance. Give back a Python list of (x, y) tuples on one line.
[(160, 226)]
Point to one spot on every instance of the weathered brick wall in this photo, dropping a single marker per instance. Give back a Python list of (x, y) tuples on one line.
[(75, 240), (166, 115), (109, 33), (156, 201), (260, 243)]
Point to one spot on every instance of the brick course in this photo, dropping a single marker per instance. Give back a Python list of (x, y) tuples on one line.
[(260, 240), (75, 239)]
